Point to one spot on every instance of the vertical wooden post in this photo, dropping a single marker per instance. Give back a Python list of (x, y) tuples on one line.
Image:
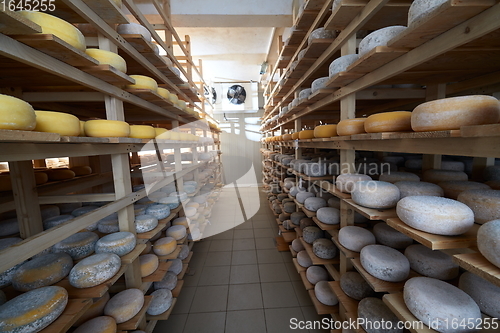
[(168, 34), (298, 150), (433, 92), (177, 159), (189, 65), (201, 90)]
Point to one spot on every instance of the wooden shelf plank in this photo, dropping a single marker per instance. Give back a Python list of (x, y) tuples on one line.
[(289, 236), (292, 251), (396, 303), (165, 315), (480, 130), (333, 271), (83, 139), (297, 266), (150, 234), (308, 285), (109, 74), (177, 290), (324, 226), (133, 323), (138, 42), (57, 48), (305, 20), (321, 308), (342, 79), (316, 47), (476, 263), (330, 188), (108, 11), (14, 135), (373, 214), (311, 179), (316, 260), (320, 94), (348, 253), (377, 284), (436, 242), (160, 272), (308, 213), (73, 311), (130, 257), (172, 255), (12, 23), (350, 304), (376, 58), (180, 276)]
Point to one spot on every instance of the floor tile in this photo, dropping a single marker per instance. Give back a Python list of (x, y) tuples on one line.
[(247, 321), (311, 315), (282, 320), (278, 295), (292, 271), (287, 256), (218, 258), (247, 257), (193, 280), (264, 233), (261, 224), (244, 297), (202, 246), (174, 324), (244, 233), (243, 244), (301, 293), (184, 300), (221, 245), (214, 276), (269, 256), (214, 322), (273, 272), (244, 225), (244, 274), (210, 299), (228, 234), (265, 243)]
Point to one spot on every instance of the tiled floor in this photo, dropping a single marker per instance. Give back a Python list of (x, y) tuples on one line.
[(238, 282)]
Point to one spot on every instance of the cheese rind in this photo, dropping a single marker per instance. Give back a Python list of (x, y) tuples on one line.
[(108, 58), (81, 170), (351, 126), (177, 231), (145, 223), (143, 82), (16, 114), (142, 132), (94, 270), (149, 263), (125, 305), (384, 263), (325, 131), (102, 324), (107, 128), (484, 203), (165, 246), (119, 243), (375, 194), (306, 134), (162, 301), (396, 121)]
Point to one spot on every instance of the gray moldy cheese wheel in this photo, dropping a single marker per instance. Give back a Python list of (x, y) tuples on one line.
[(302, 196), (282, 196), (169, 282), (6, 276), (340, 64), (162, 301), (453, 165), (314, 274), (184, 252), (484, 293), (289, 207), (345, 183), (420, 9), (321, 33), (385, 263), (94, 270), (284, 216), (314, 203), (453, 188), (125, 305), (328, 215), (306, 222), (49, 211), (355, 238), (303, 259), (440, 303), (334, 202), (34, 310), (288, 225), (311, 233), (398, 176), (78, 246), (379, 37), (67, 208), (434, 264), (324, 293), (411, 188), (484, 203), (160, 211), (42, 271), (487, 241), (101, 324), (119, 243), (373, 311), (297, 245), (145, 223), (175, 266), (436, 176), (56, 220), (355, 286), (294, 190), (436, 215), (108, 226), (9, 227), (388, 236), (375, 194), (324, 248), (455, 112)]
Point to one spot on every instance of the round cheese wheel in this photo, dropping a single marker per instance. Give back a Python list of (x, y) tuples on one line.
[(142, 132), (162, 301), (324, 248), (82, 128), (345, 182), (81, 170), (165, 135), (41, 177), (436, 176), (372, 310), (159, 211), (119, 243), (340, 64), (311, 233), (455, 112), (149, 263), (145, 223), (16, 114), (325, 131), (319, 84), (384, 263), (435, 215), (164, 246), (159, 131), (56, 220), (125, 305), (6, 276), (379, 37), (143, 82), (57, 27), (184, 221), (295, 135), (314, 203), (420, 9), (134, 29), (452, 189), (163, 93), (434, 264), (375, 194), (169, 282), (108, 226), (184, 252), (78, 246), (303, 259), (314, 274), (297, 245), (60, 174), (107, 128), (287, 137), (306, 134), (396, 121), (177, 231), (386, 235), (355, 238), (67, 208), (175, 266), (484, 203), (108, 58), (328, 215), (49, 211), (414, 188), (355, 286), (483, 292), (94, 270), (487, 241), (102, 324), (325, 294), (34, 310), (398, 176), (95, 310), (351, 126)]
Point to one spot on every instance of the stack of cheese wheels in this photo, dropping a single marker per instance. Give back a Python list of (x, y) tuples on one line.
[(455, 112), (16, 114), (396, 121), (351, 126), (107, 128), (143, 82), (142, 132), (57, 122), (57, 27), (108, 58), (325, 131)]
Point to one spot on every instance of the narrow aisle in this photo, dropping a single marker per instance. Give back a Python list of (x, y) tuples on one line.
[(238, 282)]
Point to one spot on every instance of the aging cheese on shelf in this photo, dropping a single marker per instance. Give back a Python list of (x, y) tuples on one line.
[(379, 37), (436, 176), (108, 226), (142, 132), (56, 220), (82, 128), (16, 114), (41, 177), (485, 204), (373, 310), (165, 246), (125, 305), (60, 174), (107, 128), (434, 264), (355, 286), (108, 58), (169, 282), (324, 248), (314, 274), (102, 324), (398, 176), (375, 194), (303, 259), (177, 231), (78, 246), (386, 235), (396, 121), (119, 243), (160, 131), (34, 310), (57, 27), (9, 227), (325, 294), (452, 189), (487, 241), (143, 82), (162, 301), (94, 270), (414, 188), (455, 112), (483, 292), (345, 182), (306, 134), (355, 238), (295, 135), (145, 223), (325, 131), (159, 211), (351, 126), (149, 264), (81, 170), (134, 29), (384, 263)]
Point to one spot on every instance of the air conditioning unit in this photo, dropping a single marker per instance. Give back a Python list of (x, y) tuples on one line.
[(236, 97)]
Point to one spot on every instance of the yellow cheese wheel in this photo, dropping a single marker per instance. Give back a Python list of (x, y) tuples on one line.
[(108, 58), (60, 174), (41, 178), (95, 310), (159, 131), (351, 126), (165, 135), (295, 135), (164, 246), (325, 131), (174, 135), (81, 170), (149, 264), (173, 98), (143, 82), (107, 128), (163, 93), (396, 121), (57, 122), (57, 27), (287, 137), (306, 134), (82, 128), (102, 324), (452, 113), (142, 132), (16, 114)]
